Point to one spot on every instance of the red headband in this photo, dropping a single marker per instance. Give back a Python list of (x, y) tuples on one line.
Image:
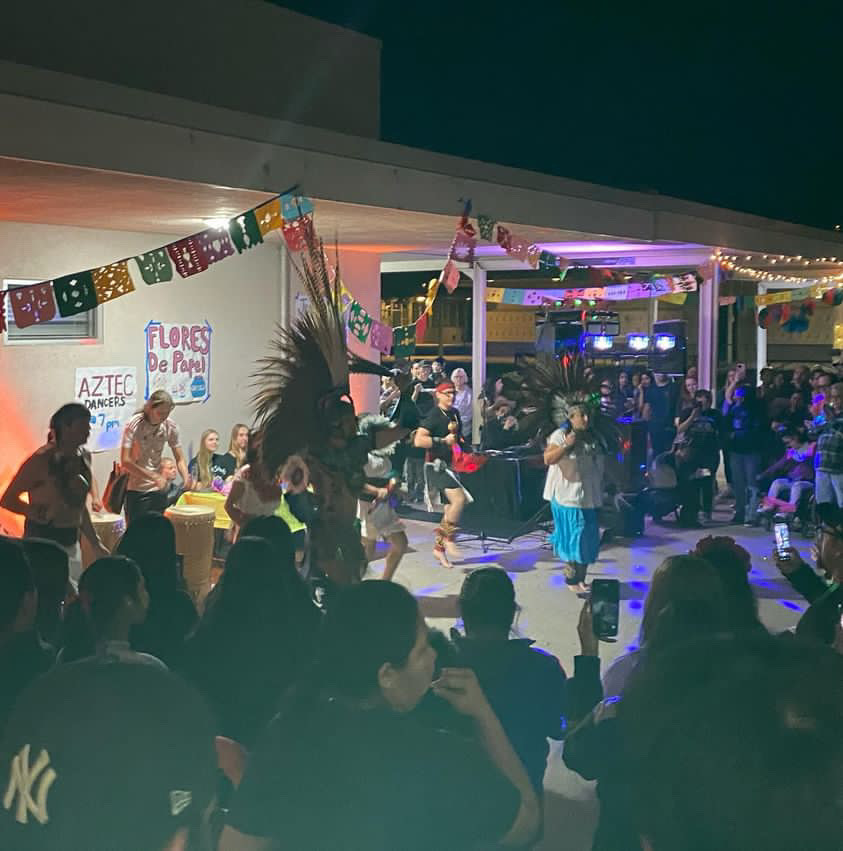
[(445, 385)]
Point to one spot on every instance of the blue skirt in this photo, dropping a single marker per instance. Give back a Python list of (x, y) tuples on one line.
[(576, 533)]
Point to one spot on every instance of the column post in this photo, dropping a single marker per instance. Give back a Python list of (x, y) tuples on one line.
[(478, 344), (760, 342), (709, 297)]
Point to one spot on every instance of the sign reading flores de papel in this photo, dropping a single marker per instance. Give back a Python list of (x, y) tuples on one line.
[(178, 360)]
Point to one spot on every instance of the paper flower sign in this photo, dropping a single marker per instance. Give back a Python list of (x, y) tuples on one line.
[(155, 266), (186, 257), (269, 216), (213, 245), (403, 340), (380, 337), (112, 281), (33, 305), (244, 232), (359, 321), (504, 238), (75, 293)]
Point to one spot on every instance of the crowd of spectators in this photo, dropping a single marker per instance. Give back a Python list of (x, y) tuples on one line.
[(263, 722)]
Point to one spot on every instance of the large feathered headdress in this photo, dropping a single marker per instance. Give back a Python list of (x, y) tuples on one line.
[(553, 386), (302, 384)]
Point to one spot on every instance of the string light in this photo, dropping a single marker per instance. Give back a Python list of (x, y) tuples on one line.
[(730, 263)]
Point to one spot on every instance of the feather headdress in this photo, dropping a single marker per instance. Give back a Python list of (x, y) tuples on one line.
[(303, 383), (553, 387)]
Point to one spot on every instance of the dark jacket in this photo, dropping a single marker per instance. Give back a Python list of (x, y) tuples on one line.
[(22, 658)]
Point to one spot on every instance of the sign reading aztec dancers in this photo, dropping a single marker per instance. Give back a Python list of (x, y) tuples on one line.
[(110, 394), (178, 360)]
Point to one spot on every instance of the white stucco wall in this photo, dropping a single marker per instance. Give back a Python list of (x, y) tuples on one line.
[(240, 298)]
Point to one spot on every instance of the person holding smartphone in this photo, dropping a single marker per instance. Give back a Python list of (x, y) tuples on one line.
[(702, 426), (574, 489)]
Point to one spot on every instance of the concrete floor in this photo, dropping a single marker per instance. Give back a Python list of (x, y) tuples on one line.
[(549, 613)]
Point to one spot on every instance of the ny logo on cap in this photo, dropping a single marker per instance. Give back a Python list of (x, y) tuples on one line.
[(23, 778), (180, 800)]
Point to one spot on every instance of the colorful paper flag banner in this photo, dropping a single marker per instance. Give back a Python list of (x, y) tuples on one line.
[(657, 288)]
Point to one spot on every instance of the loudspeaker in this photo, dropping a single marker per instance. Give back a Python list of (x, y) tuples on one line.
[(629, 469), (673, 360), (555, 337)]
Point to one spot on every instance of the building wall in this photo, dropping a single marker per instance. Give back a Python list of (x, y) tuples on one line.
[(251, 56), (239, 297)]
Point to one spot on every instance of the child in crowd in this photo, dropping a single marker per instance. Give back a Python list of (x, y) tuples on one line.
[(174, 487)]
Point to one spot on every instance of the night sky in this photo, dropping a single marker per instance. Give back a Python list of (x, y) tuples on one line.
[(725, 104)]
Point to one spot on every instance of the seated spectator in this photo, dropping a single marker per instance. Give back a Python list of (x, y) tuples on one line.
[(23, 656), (524, 685), (733, 746), (346, 766), (105, 757), (254, 640), (791, 477), (208, 469), (51, 571), (112, 600), (151, 543), (174, 487), (678, 582), (732, 563)]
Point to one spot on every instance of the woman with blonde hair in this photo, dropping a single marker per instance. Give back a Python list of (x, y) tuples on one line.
[(238, 444), (208, 469), (144, 439)]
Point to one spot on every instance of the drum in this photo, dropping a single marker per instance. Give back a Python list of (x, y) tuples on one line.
[(194, 525), (110, 528)]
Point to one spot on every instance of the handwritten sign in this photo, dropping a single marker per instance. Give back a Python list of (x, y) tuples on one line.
[(178, 360), (110, 394)]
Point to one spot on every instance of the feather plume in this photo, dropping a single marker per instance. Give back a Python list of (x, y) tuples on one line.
[(307, 367)]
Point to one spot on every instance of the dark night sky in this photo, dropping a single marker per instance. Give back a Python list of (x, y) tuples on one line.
[(725, 104)]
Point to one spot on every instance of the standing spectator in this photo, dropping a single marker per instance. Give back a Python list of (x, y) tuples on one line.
[(108, 756), (687, 392), (463, 400), (51, 572), (722, 738), (627, 392), (660, 401), (742, 428), (346, 764), (144, 439), (23, 656), (795, 414), (255, 638), (702, 426), (438, 374), (612, 403), (151, 543), (829, 455), (801, 383), (112, 600), (423, 388), (407, 458)]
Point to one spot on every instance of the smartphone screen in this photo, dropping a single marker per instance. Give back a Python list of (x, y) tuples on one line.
[(605, 607), (782, 533)]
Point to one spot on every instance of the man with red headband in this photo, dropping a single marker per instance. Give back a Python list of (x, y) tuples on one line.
[(439, 433)]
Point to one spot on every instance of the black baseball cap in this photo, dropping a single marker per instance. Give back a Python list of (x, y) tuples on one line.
[(105, 755)]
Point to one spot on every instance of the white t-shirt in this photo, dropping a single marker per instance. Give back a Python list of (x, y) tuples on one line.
[(146, 443), (576, 480)]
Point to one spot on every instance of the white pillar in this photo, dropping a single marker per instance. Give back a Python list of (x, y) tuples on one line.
[(760, 343), (709, 298), (284, 273), (478, 345)]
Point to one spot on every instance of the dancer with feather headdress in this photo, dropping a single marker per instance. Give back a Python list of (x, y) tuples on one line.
[(304, 412), (566, 398)]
